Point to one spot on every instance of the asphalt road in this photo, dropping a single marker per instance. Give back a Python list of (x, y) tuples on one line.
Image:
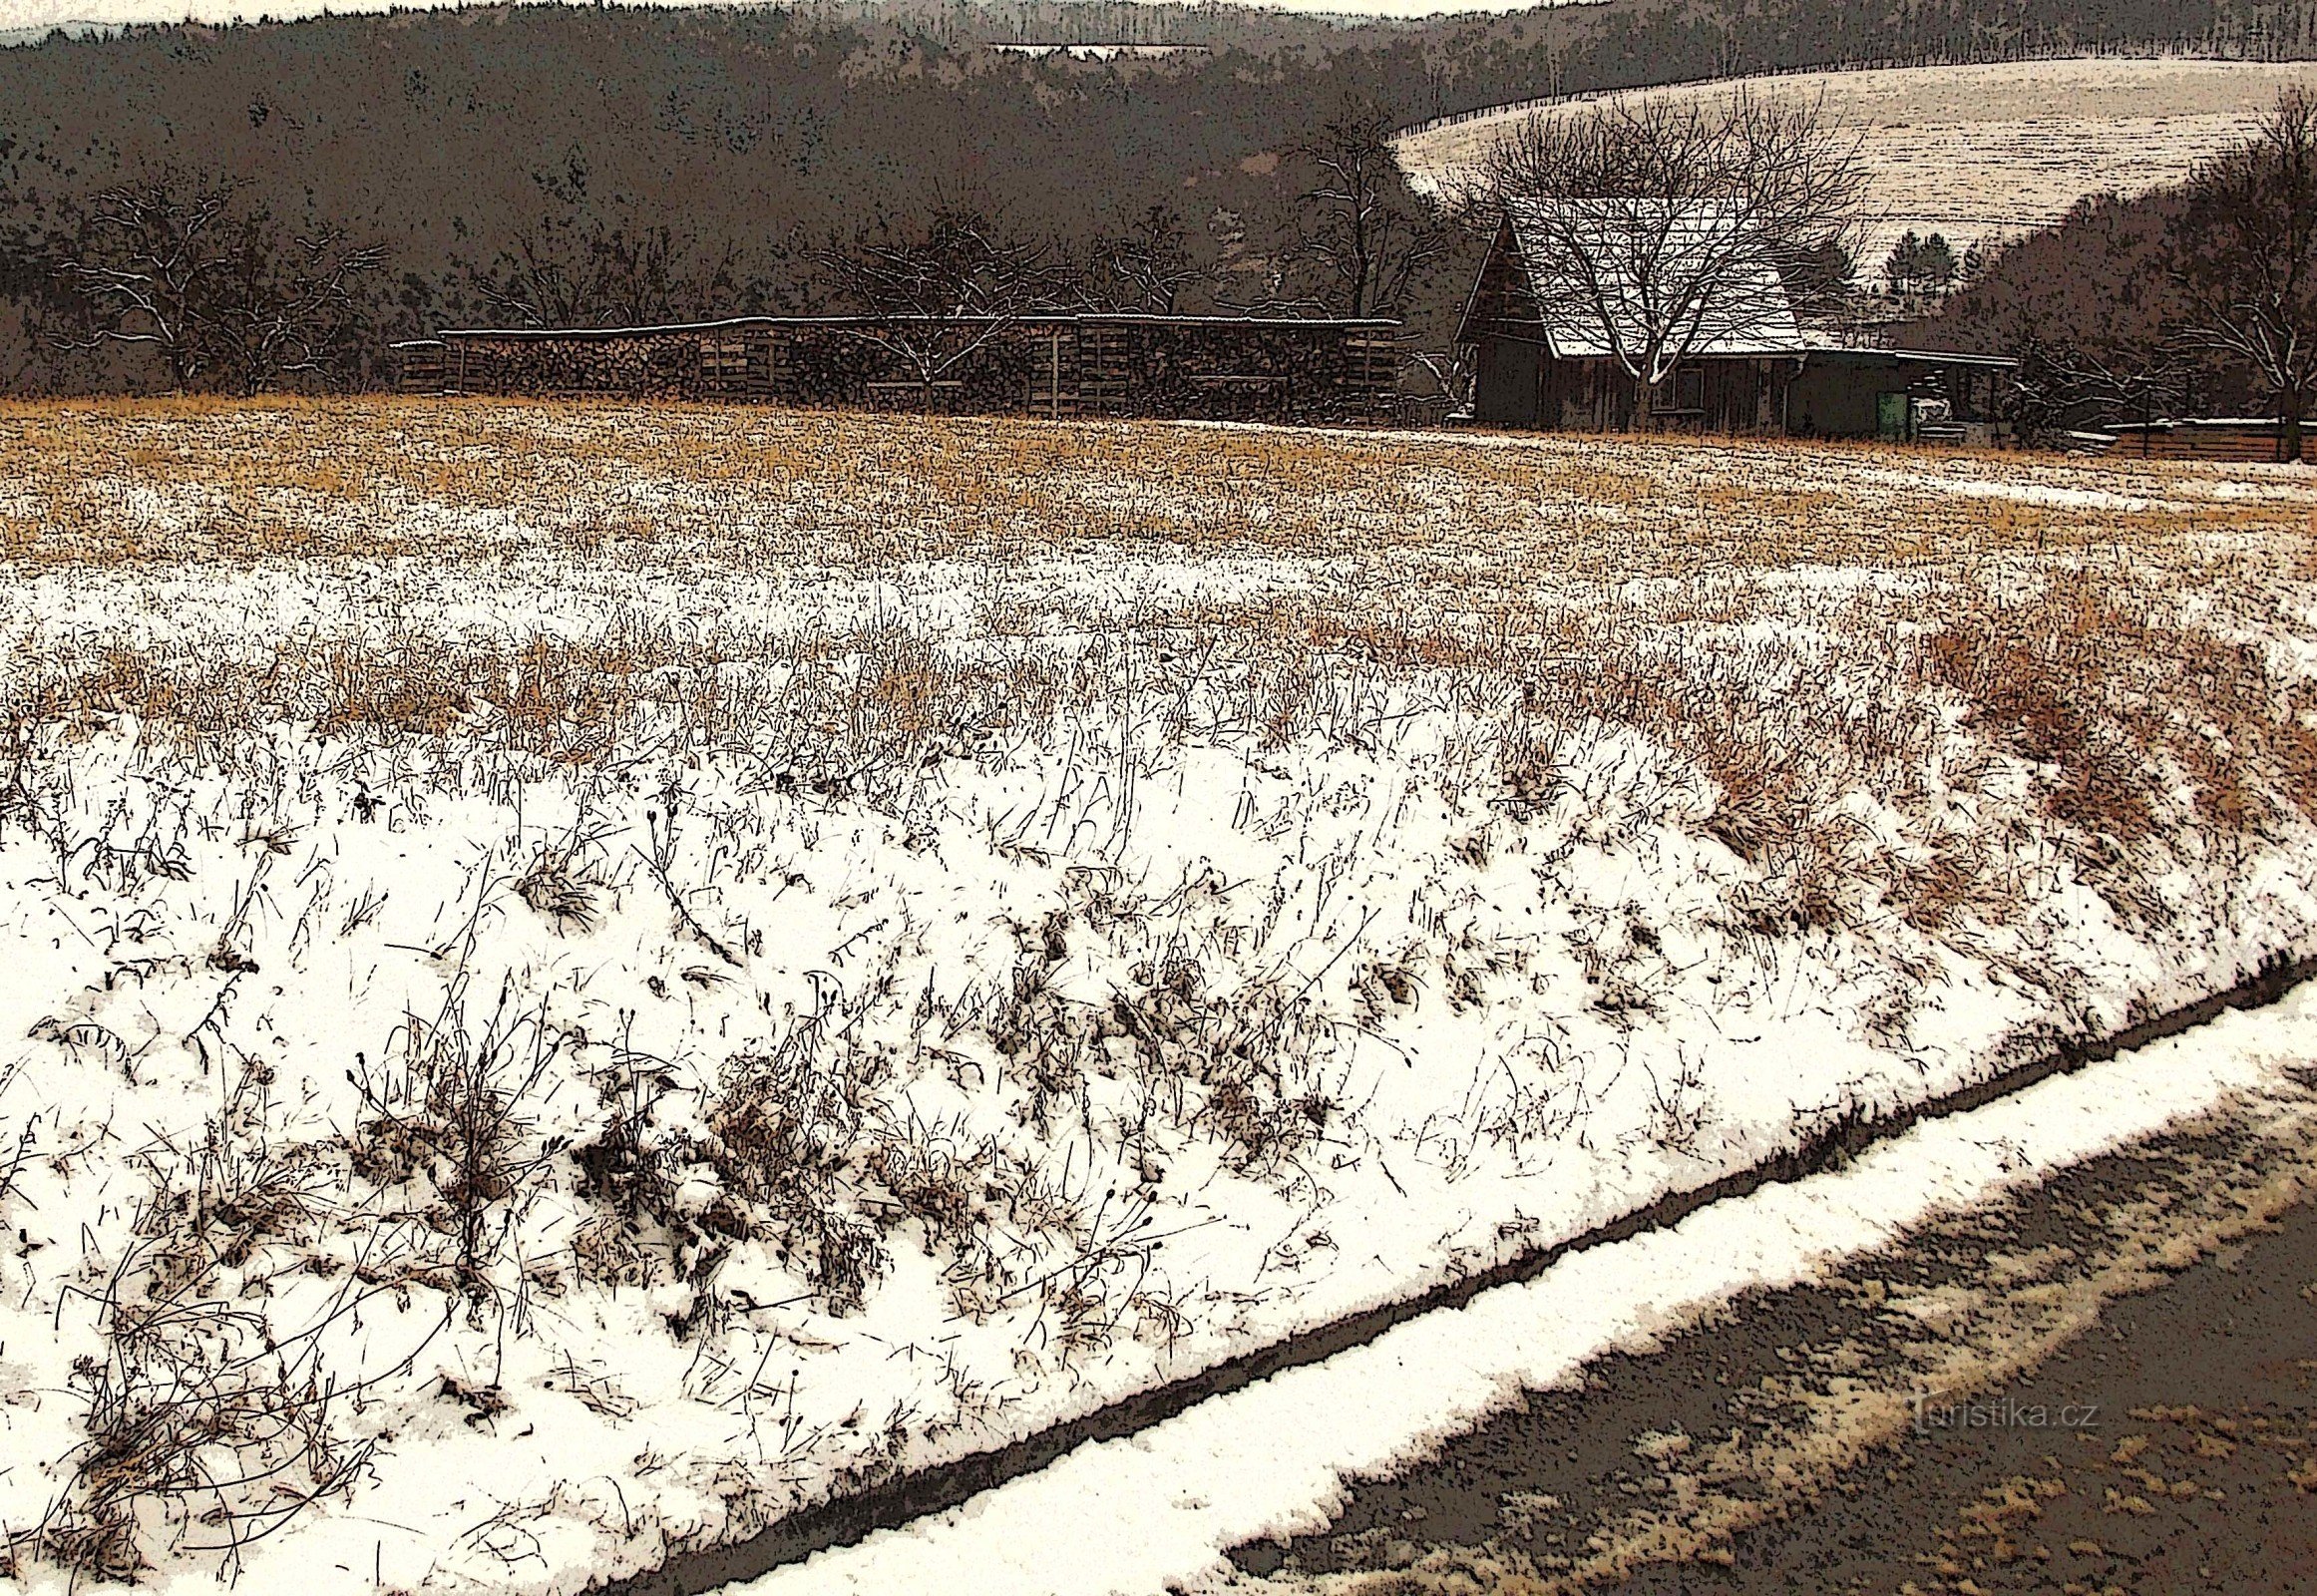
[(2107, 1384)]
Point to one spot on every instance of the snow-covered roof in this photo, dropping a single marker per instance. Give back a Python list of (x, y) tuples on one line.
[(1838, 349), (1636, 252)]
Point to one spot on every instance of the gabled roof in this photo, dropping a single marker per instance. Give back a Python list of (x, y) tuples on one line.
[(1580, 255)]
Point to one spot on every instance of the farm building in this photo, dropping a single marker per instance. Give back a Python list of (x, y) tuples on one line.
[(1250, 368), (1545, 322), (1906, 395)]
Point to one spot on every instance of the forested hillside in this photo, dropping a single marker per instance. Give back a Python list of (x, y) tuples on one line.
[(722, 156)]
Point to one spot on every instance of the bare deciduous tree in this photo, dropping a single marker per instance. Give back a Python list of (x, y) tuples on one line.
[(2246, 255), (564, 273), (945, 289), (1664, 228), (222, 293), (145, 265), (284, 302), (1368, 237), (2139, 378), (1148, 264)]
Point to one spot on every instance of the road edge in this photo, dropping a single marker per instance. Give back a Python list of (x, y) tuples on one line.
[(843, 1520)]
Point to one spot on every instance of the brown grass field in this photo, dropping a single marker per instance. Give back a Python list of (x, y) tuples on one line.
[(1771, 608)]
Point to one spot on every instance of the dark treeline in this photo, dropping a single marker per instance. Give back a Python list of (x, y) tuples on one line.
[(2199, 300), (393, 174)]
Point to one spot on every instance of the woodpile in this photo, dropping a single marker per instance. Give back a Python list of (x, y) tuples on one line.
[(1047, 365)]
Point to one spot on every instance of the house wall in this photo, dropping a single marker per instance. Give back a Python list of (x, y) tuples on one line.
[(1520, 386), (1838, 401), (1505, 385)]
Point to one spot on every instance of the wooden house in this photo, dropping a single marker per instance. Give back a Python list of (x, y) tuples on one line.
[(1553, 324)]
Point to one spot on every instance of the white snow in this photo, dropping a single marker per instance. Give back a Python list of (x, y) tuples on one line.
[(1978, 151), (1177, 889), (1269, 1459)]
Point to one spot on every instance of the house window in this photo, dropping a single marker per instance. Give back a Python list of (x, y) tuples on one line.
[(1689, 388)]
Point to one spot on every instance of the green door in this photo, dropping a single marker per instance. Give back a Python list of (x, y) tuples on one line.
[(1890, 417)]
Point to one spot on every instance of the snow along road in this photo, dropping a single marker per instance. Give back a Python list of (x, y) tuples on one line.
[(2104, 1382), (1158, 1511)]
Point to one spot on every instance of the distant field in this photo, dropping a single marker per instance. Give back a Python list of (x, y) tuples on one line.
[(1980, 150)]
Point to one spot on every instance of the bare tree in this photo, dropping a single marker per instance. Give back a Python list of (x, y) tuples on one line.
[(1359, 225), (1661, 229), (146, 259), (2139, 378), (2069, 377), (1822, 282), (2246, 255), (943, 291), (568, 272), (1148, 264), (532, 283), (284, 302), (224, 294)]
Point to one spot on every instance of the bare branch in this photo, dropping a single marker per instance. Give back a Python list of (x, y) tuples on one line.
[(2246, 256), (1663, 228), (1368, 237), (944, 291), (221, 293)]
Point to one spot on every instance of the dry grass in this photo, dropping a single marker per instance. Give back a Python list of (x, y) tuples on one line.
[(1791, 619), (1909, 696), (209, 1426), (681, 487)]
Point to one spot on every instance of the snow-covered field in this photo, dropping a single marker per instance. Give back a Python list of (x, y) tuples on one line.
[(1987, 150), (583, 977)]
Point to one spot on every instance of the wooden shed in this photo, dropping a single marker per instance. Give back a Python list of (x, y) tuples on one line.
[(1898, 395), (1544, 356), (1091, 364)]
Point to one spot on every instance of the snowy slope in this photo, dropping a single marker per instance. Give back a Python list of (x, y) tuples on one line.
[(527, 1053), (1271, 1460)]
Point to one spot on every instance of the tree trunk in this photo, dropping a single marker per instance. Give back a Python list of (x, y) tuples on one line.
[(2289, 427)]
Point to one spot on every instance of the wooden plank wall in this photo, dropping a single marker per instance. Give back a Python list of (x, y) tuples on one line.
[(1732, 395), (2181, 441)]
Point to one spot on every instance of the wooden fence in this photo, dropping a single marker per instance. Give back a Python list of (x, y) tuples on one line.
[(2231, 439)]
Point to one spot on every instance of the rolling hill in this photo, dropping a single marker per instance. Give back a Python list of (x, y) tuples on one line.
[(1980, 152)]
